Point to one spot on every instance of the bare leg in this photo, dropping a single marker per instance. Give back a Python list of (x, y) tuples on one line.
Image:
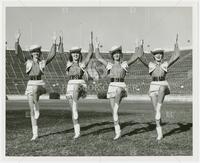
[(154, 99), (161, 96), (115, 113), (33, 120), (36, 104), (73, 105), (112, 103)]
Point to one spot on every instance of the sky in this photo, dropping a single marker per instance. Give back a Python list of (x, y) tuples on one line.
[(157, 26)]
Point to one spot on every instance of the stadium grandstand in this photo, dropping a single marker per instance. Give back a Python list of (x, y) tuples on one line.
[(179, 75)]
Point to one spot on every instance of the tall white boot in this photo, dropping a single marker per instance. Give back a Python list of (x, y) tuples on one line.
[(159, 132), (117, 132), (35, 133), (76, 131)]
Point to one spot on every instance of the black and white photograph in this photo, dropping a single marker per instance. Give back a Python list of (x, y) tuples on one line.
[(100, 80)]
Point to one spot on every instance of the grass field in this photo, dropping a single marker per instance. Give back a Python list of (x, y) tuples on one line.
[(97, 131)]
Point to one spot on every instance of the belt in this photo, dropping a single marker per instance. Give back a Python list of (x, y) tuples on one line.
[(35, 77), (158, 78), (116, 80), (75, 77)]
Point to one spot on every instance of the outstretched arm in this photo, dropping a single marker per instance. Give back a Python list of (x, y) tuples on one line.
[(138, 53), (61, 48), (18, 49), (98, 56), (60, 45), (142, 56), (52, 52), (89, 55), (90, 51), (175, 56)]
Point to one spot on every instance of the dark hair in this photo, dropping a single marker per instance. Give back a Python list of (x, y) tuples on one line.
[(118, 51), (159, 53), (40, 53), (71, 59)]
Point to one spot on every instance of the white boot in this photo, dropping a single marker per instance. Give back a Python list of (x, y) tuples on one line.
[(77, 131), (159, 132), (117, 132), (35, 133), (36, 112)]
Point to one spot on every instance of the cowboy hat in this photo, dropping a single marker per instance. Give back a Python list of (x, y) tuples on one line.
[(35, 48), (157, 51), (75, 49), (115, 49)]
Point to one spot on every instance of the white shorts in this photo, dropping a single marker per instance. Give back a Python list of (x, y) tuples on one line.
[(35, 85), (82, 89), (112, 89), (155, 86)]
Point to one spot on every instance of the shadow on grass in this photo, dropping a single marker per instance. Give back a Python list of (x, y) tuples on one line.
[(104, 130), (150, 127), (94, 125), (84, 128), (59, 132), (181, 128), (108, 129)]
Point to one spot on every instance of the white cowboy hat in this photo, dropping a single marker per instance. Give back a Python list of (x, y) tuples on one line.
[(75, 49), (115, 48), (35, 48), (157, 50)]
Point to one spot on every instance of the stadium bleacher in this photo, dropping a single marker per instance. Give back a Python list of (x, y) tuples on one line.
[(179, 75)]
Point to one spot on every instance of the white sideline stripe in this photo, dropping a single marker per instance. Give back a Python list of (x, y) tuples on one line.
[(169, 98)]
